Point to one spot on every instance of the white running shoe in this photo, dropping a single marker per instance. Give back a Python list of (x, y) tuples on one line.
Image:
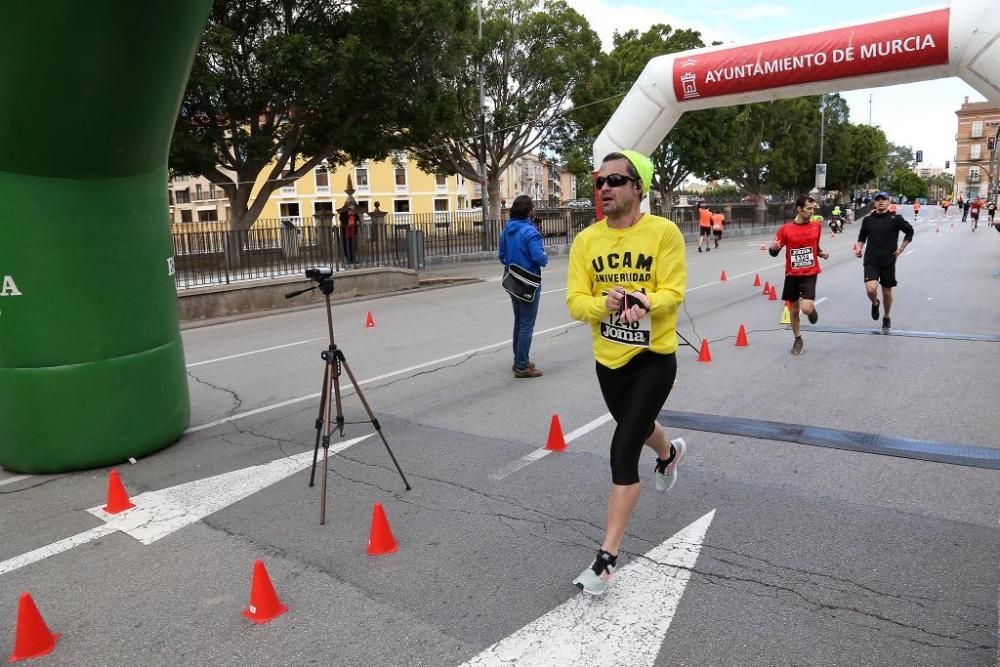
[(594, 580), (666, 471)]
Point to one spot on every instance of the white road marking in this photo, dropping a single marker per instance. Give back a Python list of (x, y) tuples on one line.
[(909, 252), (626, 625), (542, 452), (15, 478), (247, 354), (42, 553), (160, 513), (348, 390), (819, 301)]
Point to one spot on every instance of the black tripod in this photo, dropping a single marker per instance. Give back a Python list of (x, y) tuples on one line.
[(334, 359)]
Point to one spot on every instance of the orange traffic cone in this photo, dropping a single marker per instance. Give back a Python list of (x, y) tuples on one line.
[(369, 321), (117, 497), (380, 539), (705, 355), (556, 442), (741, 337), (32, 637), (773, 296), (722, 278), (756, 280), (767, 288), (264, 602)]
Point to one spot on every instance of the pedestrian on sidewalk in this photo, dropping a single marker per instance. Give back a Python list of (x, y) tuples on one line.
[(800, 238), (881, 231), (521, 251), (627, 277)]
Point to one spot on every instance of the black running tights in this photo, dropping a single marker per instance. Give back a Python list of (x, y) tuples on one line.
[(635, 394)]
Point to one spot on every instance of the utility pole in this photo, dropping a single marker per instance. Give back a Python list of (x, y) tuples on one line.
[(484, 195)]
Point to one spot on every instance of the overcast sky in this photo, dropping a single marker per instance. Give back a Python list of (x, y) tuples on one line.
[(921, 115)]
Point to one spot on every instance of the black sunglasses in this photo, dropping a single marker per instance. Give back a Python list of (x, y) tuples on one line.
[(614, 180)]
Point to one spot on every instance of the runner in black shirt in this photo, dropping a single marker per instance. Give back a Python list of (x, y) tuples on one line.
[(881, 230)]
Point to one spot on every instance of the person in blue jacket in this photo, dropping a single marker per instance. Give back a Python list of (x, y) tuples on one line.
[(521, 244)]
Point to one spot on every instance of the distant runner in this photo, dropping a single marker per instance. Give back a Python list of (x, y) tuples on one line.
[(800, 238), (882, 229)]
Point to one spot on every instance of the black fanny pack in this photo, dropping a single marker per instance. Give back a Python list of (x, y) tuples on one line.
[(520, 283)]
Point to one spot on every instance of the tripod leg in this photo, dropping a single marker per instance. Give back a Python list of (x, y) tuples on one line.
[(331, 376), (372, 417), (320, 419)]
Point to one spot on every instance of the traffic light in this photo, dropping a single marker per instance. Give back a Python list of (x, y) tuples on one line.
[(947, 164), (920, 156), (991, 143)]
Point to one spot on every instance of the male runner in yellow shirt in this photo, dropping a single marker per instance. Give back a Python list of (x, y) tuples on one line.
[(627, 277)]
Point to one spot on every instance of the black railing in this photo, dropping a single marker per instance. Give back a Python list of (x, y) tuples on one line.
[(209, 253)]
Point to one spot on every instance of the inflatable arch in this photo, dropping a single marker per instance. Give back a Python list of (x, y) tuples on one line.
[(91, 362), (960, 39)]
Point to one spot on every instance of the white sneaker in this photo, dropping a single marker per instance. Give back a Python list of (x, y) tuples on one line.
[(594, 580), (666, 471)]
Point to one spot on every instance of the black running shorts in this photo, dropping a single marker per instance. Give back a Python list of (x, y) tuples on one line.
[(705, 231), (799, 287), (883, 272), (635, 394), (718, 233)]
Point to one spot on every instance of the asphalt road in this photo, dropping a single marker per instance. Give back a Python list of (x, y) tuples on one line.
[(815, 556)]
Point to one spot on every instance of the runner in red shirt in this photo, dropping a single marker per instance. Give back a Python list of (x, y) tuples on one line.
[(800, 239)]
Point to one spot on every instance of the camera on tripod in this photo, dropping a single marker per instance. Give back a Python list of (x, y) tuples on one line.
[(319, 272)]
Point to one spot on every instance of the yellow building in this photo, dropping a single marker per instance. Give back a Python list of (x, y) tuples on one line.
[(396, 184)]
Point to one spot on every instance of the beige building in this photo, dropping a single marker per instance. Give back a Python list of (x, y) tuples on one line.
[(978, 123), (544, 181), (396, 184)]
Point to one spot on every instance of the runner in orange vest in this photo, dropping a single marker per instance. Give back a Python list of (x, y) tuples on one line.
[(704, 226), (718, 222)]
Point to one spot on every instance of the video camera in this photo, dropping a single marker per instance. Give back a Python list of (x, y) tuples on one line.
[(319, 272)]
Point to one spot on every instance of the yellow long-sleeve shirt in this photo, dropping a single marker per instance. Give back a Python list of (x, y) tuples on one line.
[(647, 257)]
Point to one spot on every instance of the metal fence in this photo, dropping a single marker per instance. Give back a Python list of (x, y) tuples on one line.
[(209, 253)]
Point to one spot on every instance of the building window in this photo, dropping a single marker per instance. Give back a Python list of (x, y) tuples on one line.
[(183, 196), (289, 211), (440, 205), (170, 197), (441, 180), (323, 209), (213, 192), (400, 177), (361, 177), (208, 215), (977, 129), (975, 151), (287, 189), (401, 206), (322, 179), (186, 215)]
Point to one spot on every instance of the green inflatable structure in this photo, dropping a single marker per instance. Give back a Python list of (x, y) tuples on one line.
[(91, 362)]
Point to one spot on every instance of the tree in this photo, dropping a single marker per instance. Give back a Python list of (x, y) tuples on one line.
[(691, 146), (770, 146), (905, 182), (279, 86), (866, 156), (533, 58)]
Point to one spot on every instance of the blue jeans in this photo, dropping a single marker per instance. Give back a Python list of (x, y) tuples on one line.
[(524, 327)]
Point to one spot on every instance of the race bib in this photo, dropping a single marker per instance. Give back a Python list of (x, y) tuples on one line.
[(636, 334), (802, 258)]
